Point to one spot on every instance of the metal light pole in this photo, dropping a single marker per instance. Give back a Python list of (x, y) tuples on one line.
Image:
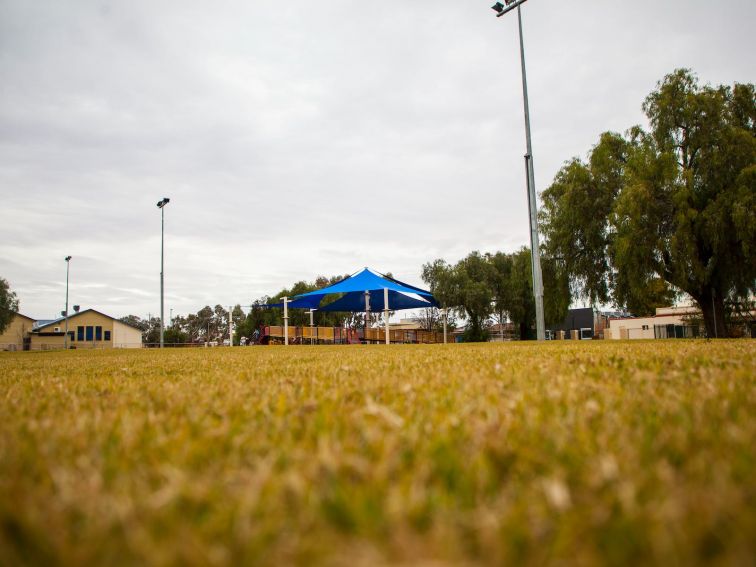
[(68, 265), (535, 253), (161, 205)]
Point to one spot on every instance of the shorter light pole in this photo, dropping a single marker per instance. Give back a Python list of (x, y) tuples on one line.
[(161, 205), (65, 339)]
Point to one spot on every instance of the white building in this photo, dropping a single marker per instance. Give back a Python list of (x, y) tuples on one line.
[(669, 322)]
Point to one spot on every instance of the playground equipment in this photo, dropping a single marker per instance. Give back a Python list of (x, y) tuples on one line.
[(364, 291), (275, 334)]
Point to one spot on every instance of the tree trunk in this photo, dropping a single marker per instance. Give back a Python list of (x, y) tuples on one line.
[(712, 307), (523, 331)]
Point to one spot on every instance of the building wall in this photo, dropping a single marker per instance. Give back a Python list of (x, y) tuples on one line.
[(581, 318), (13, 336), (52, 341), (577, 319), (125, 336)]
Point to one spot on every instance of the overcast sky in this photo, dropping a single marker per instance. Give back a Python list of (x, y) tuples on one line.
[(296, 139)]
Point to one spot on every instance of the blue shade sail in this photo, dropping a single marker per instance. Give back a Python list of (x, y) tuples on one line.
[(401, 295)]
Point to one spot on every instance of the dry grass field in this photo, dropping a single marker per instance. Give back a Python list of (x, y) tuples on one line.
[(588, 453)]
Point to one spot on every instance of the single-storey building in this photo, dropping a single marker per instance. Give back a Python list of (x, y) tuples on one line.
[(86, 329), (667, 323)]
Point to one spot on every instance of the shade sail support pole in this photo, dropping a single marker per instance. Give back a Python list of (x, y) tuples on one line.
[(286, 320), (386, 313), (312, 327), (367, 313)]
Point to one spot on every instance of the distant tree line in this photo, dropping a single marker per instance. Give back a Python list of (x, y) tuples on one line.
[(500, 286), (207, 325)]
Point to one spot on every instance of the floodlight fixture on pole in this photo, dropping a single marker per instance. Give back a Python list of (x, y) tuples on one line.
[(161, 205), (507, 6), (535, 253), (65, 339)]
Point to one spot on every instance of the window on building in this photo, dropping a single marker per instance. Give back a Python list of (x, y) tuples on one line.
[(645, 327), (90, 333), (98, 333), (79, 333), (70, 336), (107, 335)]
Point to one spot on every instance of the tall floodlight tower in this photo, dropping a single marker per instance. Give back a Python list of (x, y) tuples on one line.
[(535, 254), (161, 205)]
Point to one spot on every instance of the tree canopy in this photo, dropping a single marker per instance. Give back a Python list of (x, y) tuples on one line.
[(8, 304), (655, 213), (481, 285)]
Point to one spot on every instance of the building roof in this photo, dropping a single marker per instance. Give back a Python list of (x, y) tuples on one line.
[(17, 314), (47, 322)]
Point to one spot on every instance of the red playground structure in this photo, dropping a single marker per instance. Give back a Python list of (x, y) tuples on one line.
[(274, 334)]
